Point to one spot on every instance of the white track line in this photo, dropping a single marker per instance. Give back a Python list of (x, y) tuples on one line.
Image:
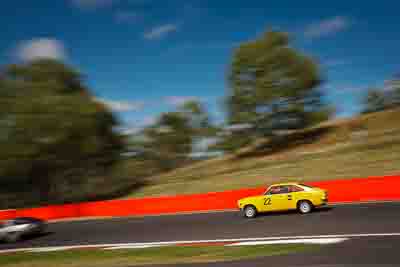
[(134, 246), (319, 241), (55, 248), (172, 243), (49, 249)]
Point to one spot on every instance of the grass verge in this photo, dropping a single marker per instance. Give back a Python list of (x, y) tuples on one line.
[(134, 257)]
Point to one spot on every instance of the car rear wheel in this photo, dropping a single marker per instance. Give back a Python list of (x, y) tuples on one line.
[(304, 207), (12, 237), (250, 212)]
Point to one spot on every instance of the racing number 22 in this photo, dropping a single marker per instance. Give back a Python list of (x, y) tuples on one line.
[(267, 201)]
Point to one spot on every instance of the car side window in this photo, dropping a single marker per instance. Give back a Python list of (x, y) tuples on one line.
[(294, 189), (19, 222), (284, 190), (274, 190)]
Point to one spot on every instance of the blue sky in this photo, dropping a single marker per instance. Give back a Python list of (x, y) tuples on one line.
[(143, 57)]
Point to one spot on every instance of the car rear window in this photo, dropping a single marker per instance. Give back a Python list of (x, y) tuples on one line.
[(306, 186), (295, 188)]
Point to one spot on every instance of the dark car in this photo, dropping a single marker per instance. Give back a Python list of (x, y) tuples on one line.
[(15, 229)]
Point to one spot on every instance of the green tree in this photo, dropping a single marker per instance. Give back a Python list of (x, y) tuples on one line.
[(199, 119), (196, 113), (375, 101), (394, 91), (396, 95), (169, 142), (56, 140), (170, 139), (273, 86)]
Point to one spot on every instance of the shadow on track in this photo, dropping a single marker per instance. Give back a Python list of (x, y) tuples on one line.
[(27, 238), (290, 213)]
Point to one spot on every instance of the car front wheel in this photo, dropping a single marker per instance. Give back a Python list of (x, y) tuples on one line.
[(250, 212)]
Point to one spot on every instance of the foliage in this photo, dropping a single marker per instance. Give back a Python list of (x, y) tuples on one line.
[(388, 97), (393, 95), (375, 101), (198, 118), (170, 139), (273, 86), (232, 141), (57, 142), (169, 142)]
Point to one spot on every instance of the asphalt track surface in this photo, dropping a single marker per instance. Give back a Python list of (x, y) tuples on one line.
[(339, 220), (348, 219)]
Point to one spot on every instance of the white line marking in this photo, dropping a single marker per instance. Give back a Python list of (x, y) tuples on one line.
[(52, 248), (133, 247), (319, 241), (49, 249), (171, 243), (13, 250)]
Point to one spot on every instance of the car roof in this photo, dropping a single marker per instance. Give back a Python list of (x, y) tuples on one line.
[(283, 184)]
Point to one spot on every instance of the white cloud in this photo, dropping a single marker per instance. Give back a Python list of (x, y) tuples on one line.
[(136, 127), (160, 31), (131, 130), (327, 27), (41, 48), (390, 85), (178, 100), (122, 106), (87, 4), (149, 120)]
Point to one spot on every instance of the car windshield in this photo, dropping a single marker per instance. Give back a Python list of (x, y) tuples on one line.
[(267, 191), (273, 190)]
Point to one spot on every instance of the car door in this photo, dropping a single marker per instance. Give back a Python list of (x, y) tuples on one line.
[(21, 225), (264, 202), (277, 198), (295, 193), (283, 200)]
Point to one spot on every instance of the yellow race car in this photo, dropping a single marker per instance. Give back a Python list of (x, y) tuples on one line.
[(282, 197)]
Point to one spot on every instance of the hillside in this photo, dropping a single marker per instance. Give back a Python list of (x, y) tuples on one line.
[(362, 146)]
